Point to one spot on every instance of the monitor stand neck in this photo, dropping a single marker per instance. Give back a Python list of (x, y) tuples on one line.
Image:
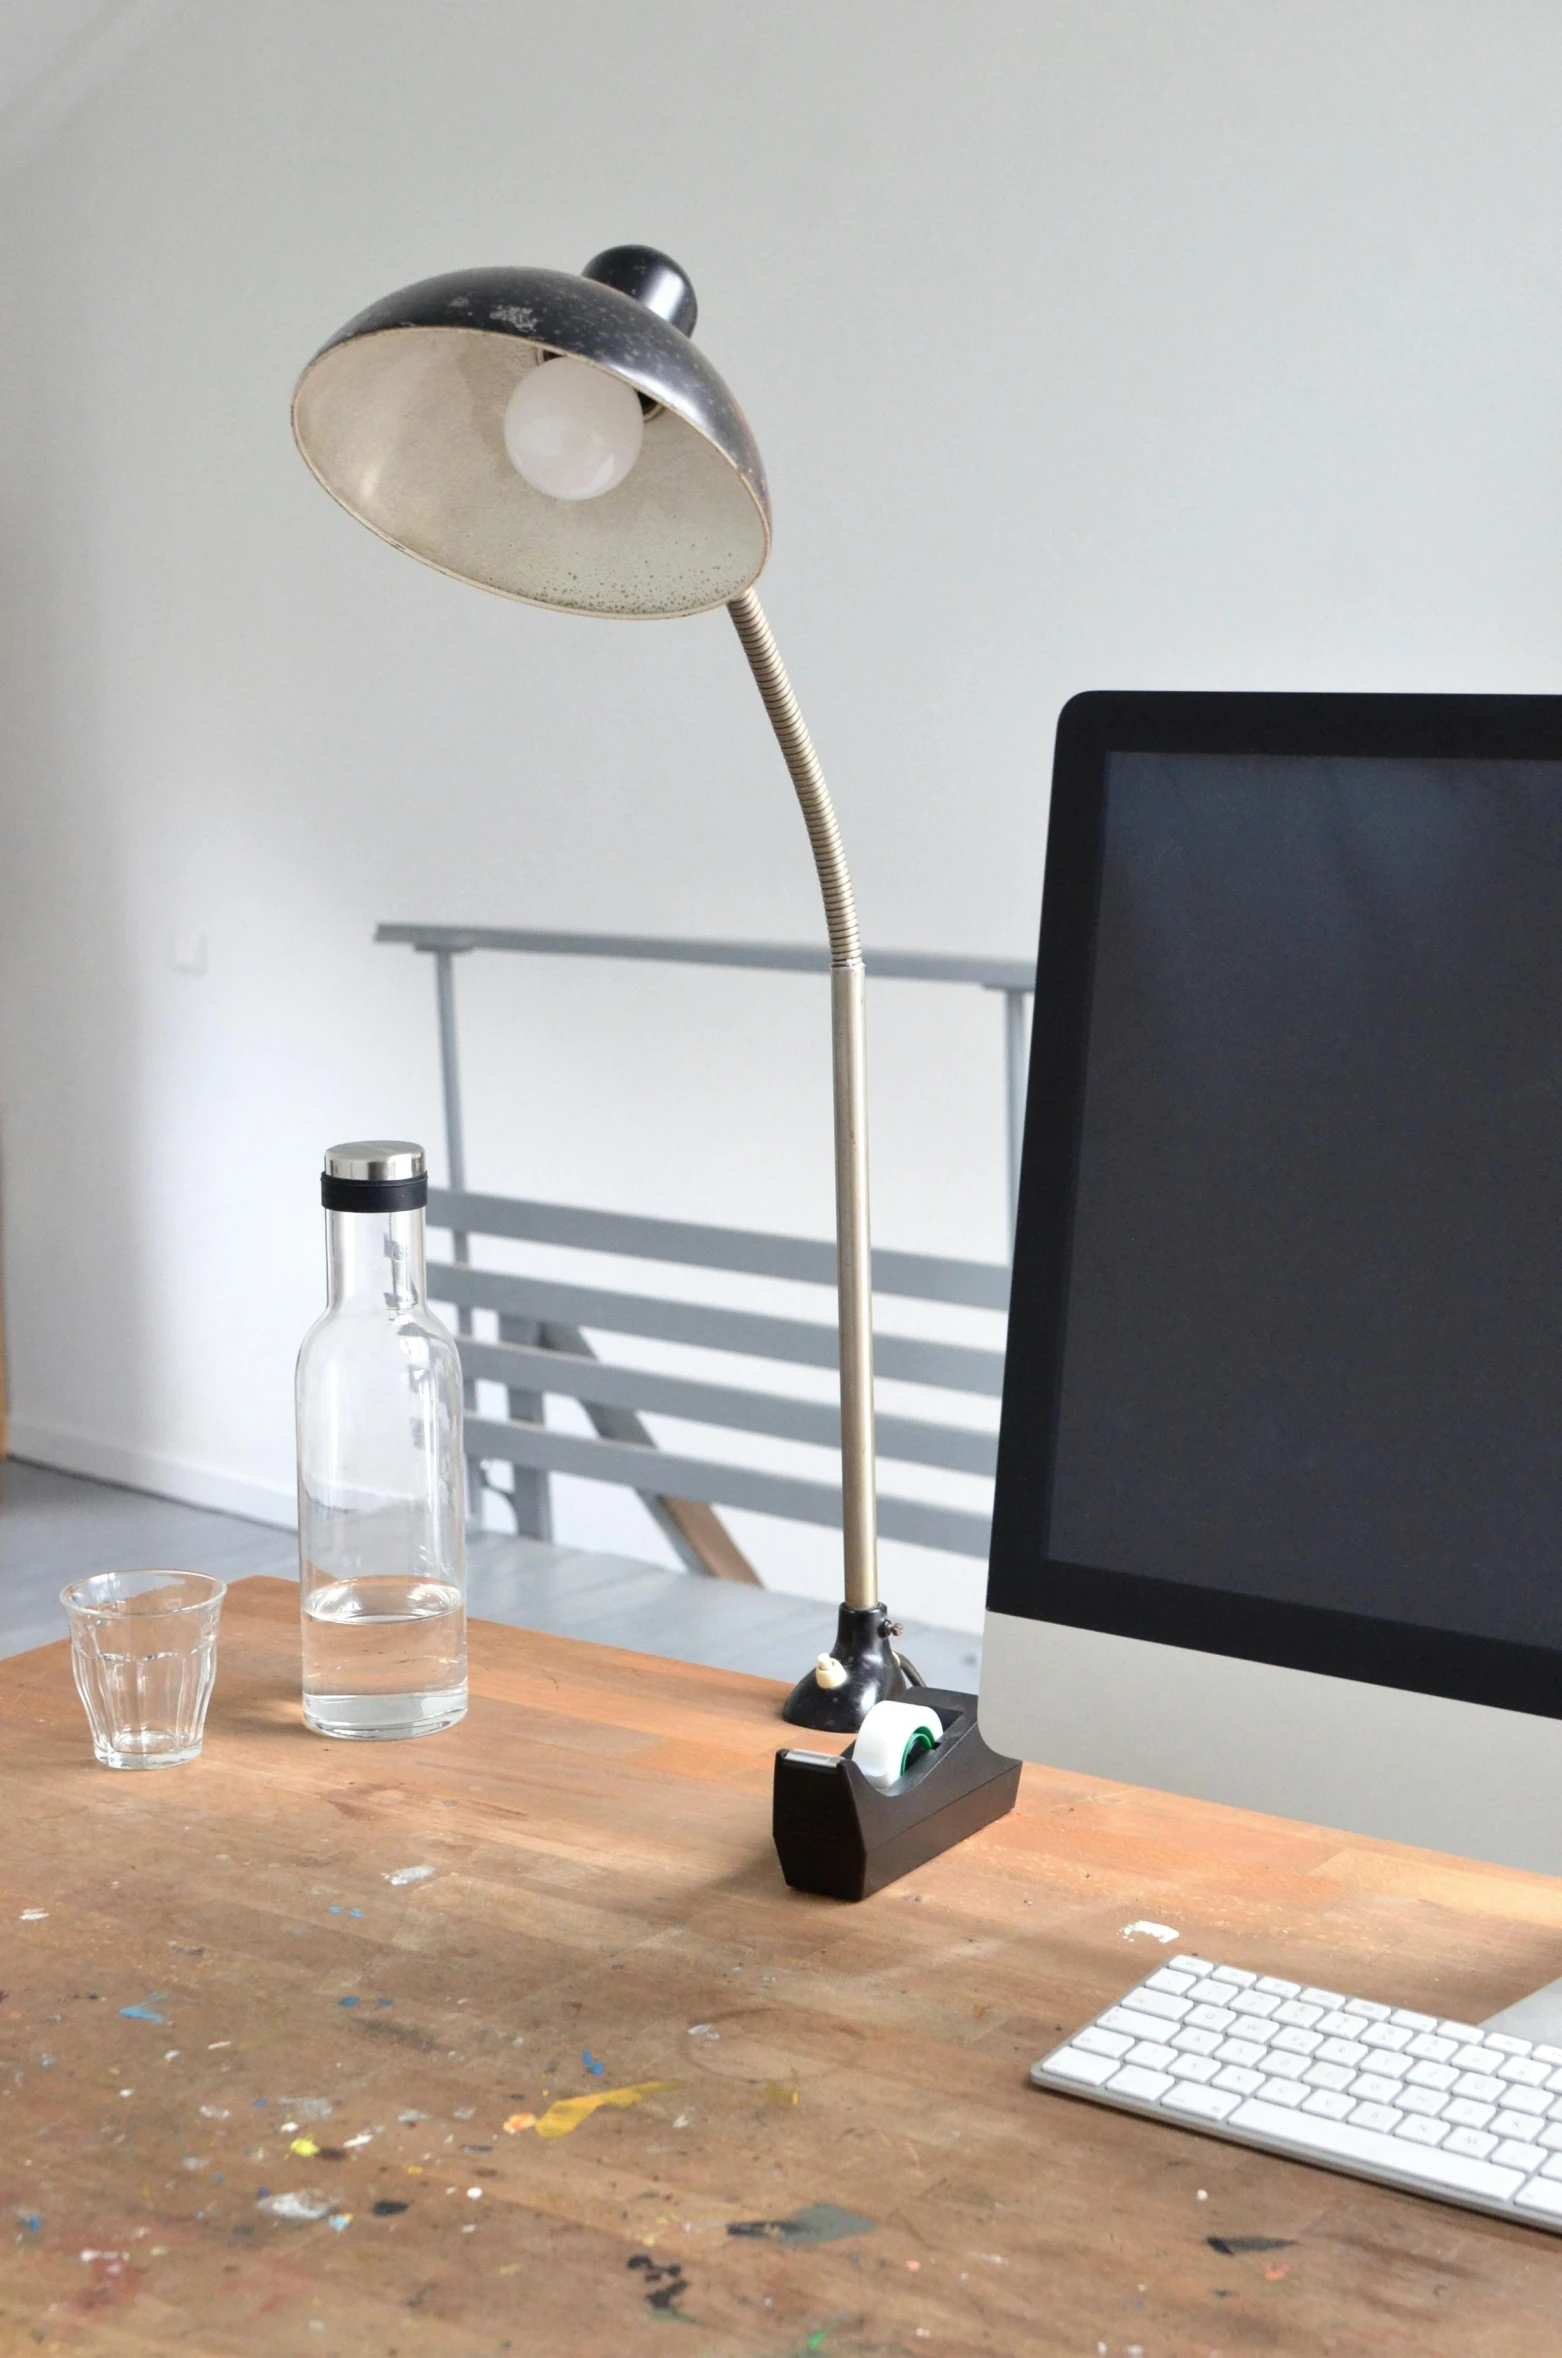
[(1537, 2017)]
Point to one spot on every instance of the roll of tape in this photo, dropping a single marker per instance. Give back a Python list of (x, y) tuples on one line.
[(890, 1739)]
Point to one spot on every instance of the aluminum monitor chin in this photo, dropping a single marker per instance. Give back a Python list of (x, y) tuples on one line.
[(1279, 1504)]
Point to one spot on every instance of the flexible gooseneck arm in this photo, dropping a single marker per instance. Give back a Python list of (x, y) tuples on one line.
[(854, 1277)]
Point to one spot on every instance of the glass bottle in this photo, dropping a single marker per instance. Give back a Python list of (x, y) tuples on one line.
[(381, 1540)]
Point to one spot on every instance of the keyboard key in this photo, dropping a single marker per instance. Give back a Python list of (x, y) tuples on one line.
[(1234, 1973), (1170, 1979), (1371, 2088), (1421, 2131), (1413, 2022), (1147, 2087), (1516, 2155), (1389, 2036), (1483, 2059), (1194, 2067), (1507, 2044), (1102, 2042), (1341, 2051), (1237, 2076), (1277, 1989), (1369, 2007), (1479, 2084), (1431, 2075), (1203, 2104), (1329, 2104), (1474, 2142), (1315, 1997), (1467, 2113), (1282, 2092), (1254, 2002), (1376, 2116), (1241, 2051), (1195, 2042), (1537, 2102), (1541, 2195), (1545, 2054), (1297, 2012), (1090, 2071), (1285, 2067), (1212, 1992), (1553, 2168), (1524, 2071), (1388, 2067), (1159, 2002), (1152, 2055), (1127, 2018), (1340, 2024), (1297, 2042), (1435, 2049), (1428, 2102), (1463, 2034), (1336, 2141), (1198, 1965), (1211, 2017), (1330, 2075), (1550, 2135)]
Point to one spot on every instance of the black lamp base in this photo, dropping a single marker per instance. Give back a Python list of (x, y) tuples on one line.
[(875, 1673)]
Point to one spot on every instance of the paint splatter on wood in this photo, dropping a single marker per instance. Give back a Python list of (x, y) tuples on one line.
[(816, 2222), (570, 2111)]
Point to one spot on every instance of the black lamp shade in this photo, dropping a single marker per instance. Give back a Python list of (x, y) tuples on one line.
[(401, 417)]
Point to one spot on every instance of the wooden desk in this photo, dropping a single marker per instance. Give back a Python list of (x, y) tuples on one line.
[(603, 1879)]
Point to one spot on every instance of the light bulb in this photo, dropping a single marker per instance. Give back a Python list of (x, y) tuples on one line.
[(572, 430)]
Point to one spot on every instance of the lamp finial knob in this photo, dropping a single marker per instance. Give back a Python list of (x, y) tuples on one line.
[(652, 278)]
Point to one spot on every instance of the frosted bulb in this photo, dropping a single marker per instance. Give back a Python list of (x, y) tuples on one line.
[(571, 430)]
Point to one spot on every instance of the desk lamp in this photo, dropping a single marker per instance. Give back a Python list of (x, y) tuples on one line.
[(560, 440)]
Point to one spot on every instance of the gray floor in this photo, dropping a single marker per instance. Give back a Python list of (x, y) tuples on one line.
[(57, 1527)]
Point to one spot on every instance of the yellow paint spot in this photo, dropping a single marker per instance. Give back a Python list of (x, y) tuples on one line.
[(513, 2269), (304, 2147), (779, 2092), (413, 2169), (570, 2111), (519, 2121)]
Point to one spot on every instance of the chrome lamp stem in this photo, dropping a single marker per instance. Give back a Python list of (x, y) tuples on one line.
[(868, 1667)]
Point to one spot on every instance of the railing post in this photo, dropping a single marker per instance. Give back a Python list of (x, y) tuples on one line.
[(530, 1500), (455, 1169)]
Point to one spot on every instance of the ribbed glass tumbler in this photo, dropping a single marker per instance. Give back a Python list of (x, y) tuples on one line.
[(144, 1652)]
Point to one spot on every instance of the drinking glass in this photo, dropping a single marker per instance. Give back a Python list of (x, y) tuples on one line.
[(144, 1652)]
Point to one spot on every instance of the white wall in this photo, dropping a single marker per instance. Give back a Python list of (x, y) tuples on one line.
[(1163, 342)]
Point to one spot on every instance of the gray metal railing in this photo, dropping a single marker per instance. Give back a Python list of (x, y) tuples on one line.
[(542, 1345), (1011, 976)]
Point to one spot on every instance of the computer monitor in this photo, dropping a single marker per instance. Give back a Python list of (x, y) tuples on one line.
[(1279, 1502)]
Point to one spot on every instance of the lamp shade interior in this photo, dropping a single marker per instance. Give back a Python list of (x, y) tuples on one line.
[(401, 417)]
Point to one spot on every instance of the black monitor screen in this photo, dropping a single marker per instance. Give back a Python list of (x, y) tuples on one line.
[(1293, 1339)]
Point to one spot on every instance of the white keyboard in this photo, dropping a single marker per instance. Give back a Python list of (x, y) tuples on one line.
[(1443, 2108)]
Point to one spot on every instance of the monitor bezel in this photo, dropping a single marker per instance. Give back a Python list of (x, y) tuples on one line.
[(1022, 1579)]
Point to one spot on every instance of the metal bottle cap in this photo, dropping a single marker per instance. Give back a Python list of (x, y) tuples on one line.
[(375, 1159)]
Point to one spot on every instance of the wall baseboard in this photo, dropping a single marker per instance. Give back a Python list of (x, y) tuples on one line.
[(146, 1469)]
